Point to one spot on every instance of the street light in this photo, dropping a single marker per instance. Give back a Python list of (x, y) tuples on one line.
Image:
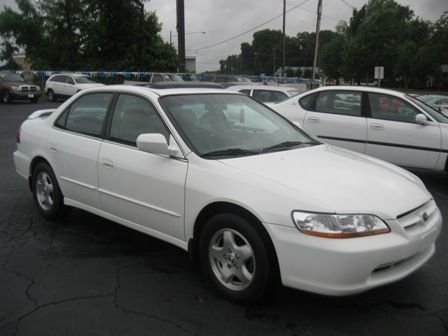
[(190, 33)]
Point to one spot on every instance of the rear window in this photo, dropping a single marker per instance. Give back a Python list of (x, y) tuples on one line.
[(307, 102)]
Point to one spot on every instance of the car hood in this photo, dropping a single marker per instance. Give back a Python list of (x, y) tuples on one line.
[(17, 83), (88, 85), (338, 181)]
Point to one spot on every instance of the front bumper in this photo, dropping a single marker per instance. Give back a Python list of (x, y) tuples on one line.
[(25, 95), (352, 265)]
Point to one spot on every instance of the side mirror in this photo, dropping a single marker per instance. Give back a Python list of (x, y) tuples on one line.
[(421, 119), (155, 143)]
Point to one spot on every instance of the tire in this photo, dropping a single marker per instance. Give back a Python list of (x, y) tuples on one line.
[(6, 97), (51, 96), (235, 259), (47, 194)]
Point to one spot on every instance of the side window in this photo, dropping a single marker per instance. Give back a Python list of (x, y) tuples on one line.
[(246, 92), (57, 79), (134, 116), (157, 78), (87, 114), (391, 108), (60, 122), (339, 102), (307, 102), (69, 80)]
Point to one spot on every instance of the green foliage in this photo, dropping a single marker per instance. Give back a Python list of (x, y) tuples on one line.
[(88, 34)]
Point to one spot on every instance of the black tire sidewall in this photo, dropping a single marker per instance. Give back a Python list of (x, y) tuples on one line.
[(51, 95), (5, 93), (263, 265), (58, 202)]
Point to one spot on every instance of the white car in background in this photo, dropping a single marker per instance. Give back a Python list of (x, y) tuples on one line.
[(65, 85), (386, 124), (253, 198), (439, 102), (266, 93)]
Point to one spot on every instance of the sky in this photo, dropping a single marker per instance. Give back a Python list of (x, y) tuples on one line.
[(223, 19)]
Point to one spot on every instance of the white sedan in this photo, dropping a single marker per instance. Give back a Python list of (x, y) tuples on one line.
[(386, 124), (246, 192)]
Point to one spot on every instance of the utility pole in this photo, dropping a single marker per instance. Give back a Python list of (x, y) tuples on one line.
[(284, 38), (180, 7), (273, 71), (316, 49)]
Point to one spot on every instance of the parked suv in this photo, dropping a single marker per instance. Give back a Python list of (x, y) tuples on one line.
[(66, 85), (13, 86)]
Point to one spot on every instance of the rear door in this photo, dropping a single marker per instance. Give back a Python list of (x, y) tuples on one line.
[(393, 134), (76, 143), (336, 117)]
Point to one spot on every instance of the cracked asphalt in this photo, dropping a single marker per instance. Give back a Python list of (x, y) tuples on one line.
[(89, 276)]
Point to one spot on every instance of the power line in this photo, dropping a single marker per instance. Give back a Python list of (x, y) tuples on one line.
[(312, 11), (345, 2), (249, 30)]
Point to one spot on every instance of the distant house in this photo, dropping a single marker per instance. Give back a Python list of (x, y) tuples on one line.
[(190, 64), (20, 59)]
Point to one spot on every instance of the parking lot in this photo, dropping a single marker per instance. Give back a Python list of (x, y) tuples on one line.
[(90, 276)]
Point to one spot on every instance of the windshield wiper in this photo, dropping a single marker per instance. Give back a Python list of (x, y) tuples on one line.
[(231, 152), (287, 145)]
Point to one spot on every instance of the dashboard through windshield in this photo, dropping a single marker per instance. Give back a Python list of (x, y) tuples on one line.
[(231, 125)]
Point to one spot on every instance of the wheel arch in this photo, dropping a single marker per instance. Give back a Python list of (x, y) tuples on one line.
[(34, 162), (226, 207)]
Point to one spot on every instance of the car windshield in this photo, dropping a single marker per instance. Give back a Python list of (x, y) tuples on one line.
[(84, 80), (227, 125), (430, 110), (10, 77)]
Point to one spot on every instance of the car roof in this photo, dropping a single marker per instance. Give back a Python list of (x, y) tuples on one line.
[(157, 91), (359, 89), (261, 87)]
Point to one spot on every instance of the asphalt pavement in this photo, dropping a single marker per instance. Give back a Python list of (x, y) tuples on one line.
[(89, 276)]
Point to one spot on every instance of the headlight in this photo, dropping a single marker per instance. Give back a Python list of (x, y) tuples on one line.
[(15, 88), (338, 226)]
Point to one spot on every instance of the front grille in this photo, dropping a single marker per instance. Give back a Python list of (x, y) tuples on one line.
[(417, 219), (28, 88)]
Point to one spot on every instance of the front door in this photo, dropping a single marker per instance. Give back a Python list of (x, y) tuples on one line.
[(393, 134), (142, 188)]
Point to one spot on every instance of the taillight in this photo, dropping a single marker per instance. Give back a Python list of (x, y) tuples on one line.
[(18, 136)]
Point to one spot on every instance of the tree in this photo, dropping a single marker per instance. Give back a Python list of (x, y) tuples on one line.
[(7, 51), (88, 34), (331, 57)]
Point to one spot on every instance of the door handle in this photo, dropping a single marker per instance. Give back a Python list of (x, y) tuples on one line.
[(314, 119), (108, 164), (377, 126)]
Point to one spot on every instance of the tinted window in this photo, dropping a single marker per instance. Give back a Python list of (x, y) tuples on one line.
[(339, 102), (157, 78), (87, 114), (69, 80), (307, 102), (134, 116), (58, 79), (60, 122), (246, 92), (267, 96), (391, 108)]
